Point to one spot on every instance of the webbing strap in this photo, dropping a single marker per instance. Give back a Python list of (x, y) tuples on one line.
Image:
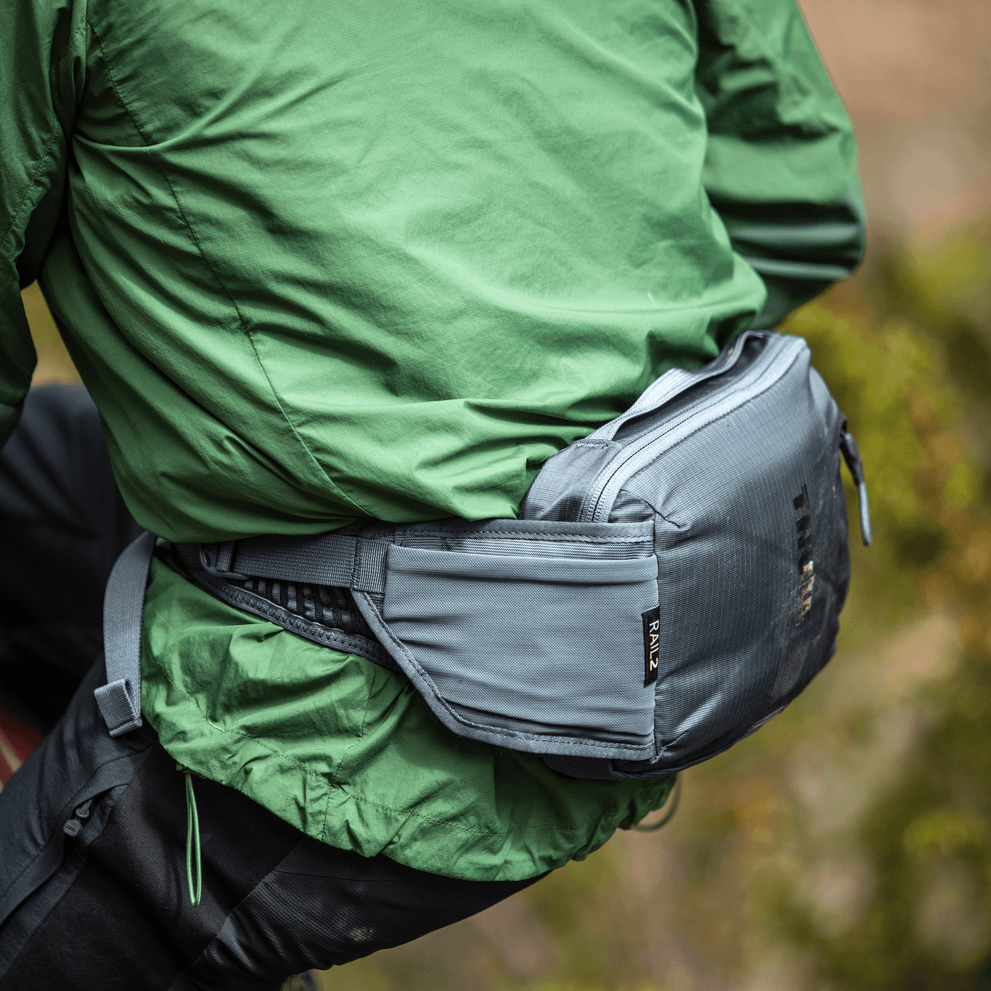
[(120, 699), (326, 559)]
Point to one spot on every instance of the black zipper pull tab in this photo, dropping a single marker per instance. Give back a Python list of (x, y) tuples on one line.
[(853, 461), (72, 827)]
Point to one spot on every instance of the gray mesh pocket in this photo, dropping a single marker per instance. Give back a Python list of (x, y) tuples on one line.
[(546, 652)]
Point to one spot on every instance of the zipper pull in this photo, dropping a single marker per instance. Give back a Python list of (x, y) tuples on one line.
[(853, 461), (72, 827)]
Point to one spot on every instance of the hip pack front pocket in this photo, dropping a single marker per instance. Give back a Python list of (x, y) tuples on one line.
[(542, 649)]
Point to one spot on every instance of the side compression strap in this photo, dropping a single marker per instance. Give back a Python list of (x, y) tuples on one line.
[(120, 699), (324, 559)]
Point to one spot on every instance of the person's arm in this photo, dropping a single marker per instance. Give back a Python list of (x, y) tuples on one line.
[(781, 167), (41, 75)]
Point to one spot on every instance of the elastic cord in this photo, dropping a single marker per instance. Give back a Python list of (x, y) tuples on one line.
[(193, 864)]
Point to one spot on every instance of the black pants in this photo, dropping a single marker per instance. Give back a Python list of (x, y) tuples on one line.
[(102, 905)]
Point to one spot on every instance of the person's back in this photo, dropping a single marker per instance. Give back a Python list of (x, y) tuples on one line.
[(317, 263), (381, 260)]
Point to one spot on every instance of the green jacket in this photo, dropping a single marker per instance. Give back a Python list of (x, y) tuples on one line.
[(317, 262)]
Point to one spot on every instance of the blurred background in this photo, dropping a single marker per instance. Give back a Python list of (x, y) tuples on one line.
[(847, 845)]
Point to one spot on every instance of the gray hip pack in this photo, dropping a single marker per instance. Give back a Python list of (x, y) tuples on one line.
[(673, 581)]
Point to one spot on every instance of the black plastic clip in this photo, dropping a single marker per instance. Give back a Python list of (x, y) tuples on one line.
[(217, 559)]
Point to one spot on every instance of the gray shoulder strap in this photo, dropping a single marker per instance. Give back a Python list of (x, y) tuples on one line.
[(120, 699)]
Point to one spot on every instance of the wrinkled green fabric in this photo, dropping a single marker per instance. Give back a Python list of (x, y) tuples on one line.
[(321, 262), (350, 754)]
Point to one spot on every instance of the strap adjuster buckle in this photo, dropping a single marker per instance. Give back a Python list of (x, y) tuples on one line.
[(217, 559)]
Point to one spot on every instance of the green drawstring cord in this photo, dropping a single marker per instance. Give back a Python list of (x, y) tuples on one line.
[(192, 844)]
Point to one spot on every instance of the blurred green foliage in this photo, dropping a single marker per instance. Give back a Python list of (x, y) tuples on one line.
[(910, 362)]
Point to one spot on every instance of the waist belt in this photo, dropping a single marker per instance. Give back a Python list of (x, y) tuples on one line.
[(674, 580)]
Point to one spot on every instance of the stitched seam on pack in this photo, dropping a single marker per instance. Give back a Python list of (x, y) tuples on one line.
[(355, 564), (497, 731), (519, 534)]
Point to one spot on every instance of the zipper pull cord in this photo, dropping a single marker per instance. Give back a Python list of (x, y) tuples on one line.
[(192, 845), (853, 461), (72, 827)]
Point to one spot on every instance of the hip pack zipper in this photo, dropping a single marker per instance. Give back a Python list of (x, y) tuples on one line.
[(755, 381)]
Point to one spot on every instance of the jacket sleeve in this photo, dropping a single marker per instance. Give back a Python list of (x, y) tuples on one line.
[(781, 167), (41, 73)]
